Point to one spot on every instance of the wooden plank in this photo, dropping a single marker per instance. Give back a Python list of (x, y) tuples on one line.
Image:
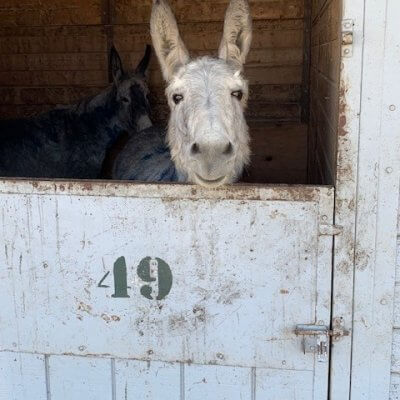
[(398, 257), (395, 363), (50, 12), (377, 205), (346, 192), (257, 57), (396, 309), (196, 39), (217, 382), (44, 40), (54, 62), (144, 380), (279, 153), (80, 378), (130, 12), (290, 385), (22, 376), (394, 387), (57, 78)]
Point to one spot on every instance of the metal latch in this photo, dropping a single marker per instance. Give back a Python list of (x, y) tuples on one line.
[(347, 37), (316, 338)]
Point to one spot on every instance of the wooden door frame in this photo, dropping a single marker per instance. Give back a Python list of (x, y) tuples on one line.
[(366, 204)]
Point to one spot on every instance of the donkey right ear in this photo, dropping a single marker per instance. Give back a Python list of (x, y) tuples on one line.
[(115, 65), (168, 45)]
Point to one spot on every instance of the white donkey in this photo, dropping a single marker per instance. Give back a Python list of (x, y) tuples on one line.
[(207, 132)]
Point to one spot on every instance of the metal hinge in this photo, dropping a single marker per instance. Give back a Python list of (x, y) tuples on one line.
[(347, 37), (330, 230), (316, 337)]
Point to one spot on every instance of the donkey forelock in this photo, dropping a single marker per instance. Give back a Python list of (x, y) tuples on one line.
[(207, 133)]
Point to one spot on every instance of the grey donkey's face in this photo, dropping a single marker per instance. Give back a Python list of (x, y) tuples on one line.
[(131, 92), (207, 132)]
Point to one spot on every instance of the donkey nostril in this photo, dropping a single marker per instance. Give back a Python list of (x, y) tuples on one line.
[(228, 149), (195, 148)]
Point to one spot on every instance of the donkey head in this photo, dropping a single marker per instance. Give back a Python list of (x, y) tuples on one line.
[(207, 133), (130, 92)]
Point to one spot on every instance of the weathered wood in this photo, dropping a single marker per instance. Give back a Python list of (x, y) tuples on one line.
[(290, 384), (324, 95), (142, 328), (80, 378), (130, 12), (375, 294), (22, 376), (39, 50), (279, 153), (144, 380), (215, 382), (50, 12)]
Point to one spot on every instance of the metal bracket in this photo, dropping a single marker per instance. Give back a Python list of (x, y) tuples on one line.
[(316, 337), (347, 37)]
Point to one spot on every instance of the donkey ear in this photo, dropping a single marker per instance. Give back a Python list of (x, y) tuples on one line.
[(144, 63), (236, 40), (115, 65), (168, 45)]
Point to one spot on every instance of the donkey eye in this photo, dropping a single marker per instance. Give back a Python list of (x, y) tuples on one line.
[(238, 94), (177, 98), (125, 99)]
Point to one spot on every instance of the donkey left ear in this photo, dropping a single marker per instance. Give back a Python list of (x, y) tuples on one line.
[(115, 65), (167, 42), (236, 40), (144, 63)]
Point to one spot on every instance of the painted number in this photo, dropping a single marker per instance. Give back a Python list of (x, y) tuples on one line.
[(159, 276), (155, 272)]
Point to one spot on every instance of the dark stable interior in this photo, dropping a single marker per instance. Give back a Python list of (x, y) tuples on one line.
[(54, 57)]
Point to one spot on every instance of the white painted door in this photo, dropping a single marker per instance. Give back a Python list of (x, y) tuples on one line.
[(116, 291)]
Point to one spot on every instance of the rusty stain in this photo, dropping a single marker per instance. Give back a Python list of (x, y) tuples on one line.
[(87, 186), (344, 267), (284, 291), (84, 307), (362, 259)]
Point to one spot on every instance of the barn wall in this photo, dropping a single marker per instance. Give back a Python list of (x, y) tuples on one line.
[(55, 51), (324, 78)]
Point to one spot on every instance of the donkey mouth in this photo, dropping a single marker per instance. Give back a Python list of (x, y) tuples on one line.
[(210, 182)]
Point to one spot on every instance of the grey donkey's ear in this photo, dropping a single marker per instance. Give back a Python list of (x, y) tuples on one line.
[(116, 70), (144, 63), (168, 45), (236, 40)]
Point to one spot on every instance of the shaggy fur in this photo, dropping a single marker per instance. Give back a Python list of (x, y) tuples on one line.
[(207, 132), (71, 142), (146, 157)]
